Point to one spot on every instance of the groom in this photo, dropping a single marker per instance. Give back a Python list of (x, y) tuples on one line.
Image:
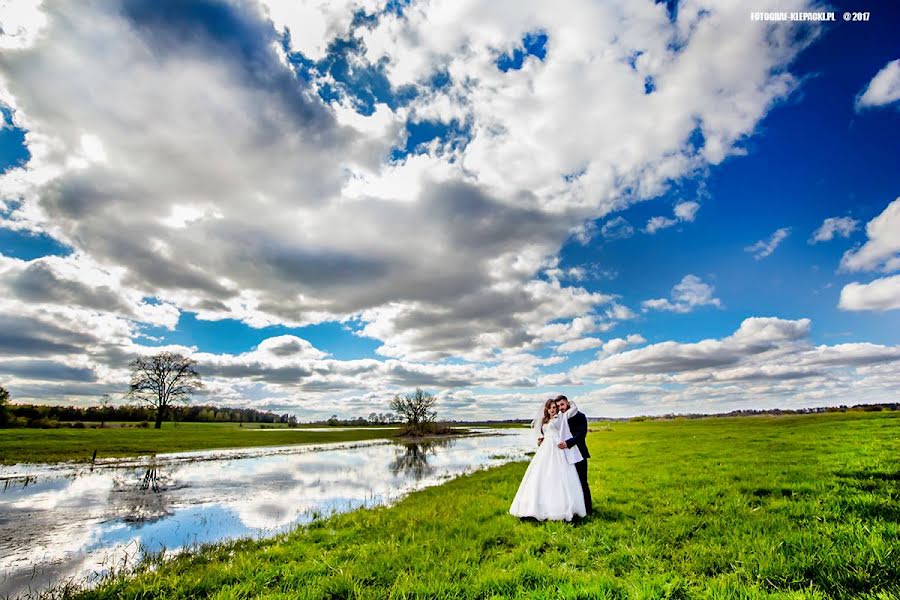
[(578, 425)]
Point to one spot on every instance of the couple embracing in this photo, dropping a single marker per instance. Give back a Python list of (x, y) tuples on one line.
[(555, 484)]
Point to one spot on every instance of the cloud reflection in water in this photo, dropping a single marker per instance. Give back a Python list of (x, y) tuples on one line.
[(70, 522)]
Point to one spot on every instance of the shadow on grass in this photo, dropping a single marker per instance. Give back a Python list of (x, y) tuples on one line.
[(870, 475), (877, 494), (575, 522)]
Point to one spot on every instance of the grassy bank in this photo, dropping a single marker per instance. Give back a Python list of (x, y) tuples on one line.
[(52, 445), (755, 507)]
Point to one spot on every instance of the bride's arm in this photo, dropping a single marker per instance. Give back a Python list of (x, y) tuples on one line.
[(572, 410)]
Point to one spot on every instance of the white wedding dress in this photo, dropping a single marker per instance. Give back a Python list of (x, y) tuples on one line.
[(550, 488)]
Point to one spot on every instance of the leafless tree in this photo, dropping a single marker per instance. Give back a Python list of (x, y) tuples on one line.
[(4, 400), (416, 408), (105, 401), (162, 380)]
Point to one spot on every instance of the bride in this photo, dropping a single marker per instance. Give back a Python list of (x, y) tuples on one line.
[(550, 488)]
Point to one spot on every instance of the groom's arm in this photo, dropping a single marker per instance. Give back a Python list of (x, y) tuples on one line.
[(579, 429)]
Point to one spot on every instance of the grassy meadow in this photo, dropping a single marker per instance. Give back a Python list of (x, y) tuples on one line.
[(753, 507), (20, 445)]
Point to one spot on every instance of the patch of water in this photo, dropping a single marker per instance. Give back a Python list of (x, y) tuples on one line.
[(75, 523)]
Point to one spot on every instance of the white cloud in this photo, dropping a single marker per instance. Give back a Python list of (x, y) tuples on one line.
[(617, 229), (884, 88), (654, 224), (755, 336), (616, 345), (687, 295), (314, 24), (276, 246), (77, 282), (764, 248), (248, 197), (832, 226), (684, 212), (687, 211), (880, 294), (882, 250), (584, 232), (22, 22), (578, 345), (767, 362)]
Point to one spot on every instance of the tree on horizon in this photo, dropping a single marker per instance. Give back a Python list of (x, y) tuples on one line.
[(4, 400), (162, 380), (417, 408)]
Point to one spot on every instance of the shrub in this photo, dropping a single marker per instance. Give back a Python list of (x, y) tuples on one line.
[(423, 429)]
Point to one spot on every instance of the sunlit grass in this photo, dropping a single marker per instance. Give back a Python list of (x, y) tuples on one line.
[(754, 507)]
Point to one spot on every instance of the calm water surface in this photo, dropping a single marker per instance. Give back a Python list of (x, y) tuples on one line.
[(74, 523)]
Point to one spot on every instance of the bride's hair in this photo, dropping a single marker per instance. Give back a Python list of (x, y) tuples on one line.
[(547, 404)]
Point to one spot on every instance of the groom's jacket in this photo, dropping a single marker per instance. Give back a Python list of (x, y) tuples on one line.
[(578, 425)]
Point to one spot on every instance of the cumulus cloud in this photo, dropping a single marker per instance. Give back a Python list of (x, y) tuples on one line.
[(78, 281), (767, 362), (880, 294), (584, 232), (654, 224), (22, 22), (687, 295), (755, 336), (834, 226), (616, 345), (882, 250), (684, 211), (884, 88), (312, 25), (617, 229), (578, 345), (687, 211), (265, 223), (764, 248), (46, 370), (194, 169)]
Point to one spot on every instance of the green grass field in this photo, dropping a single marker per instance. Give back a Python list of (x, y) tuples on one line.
[(753, 507), (66, 444)]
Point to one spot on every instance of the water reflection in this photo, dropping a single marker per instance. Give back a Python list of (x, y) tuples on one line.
[(412, 458), (72, 522), (142, 500)]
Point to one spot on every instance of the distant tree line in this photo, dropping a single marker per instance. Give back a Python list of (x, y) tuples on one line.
[(768, 411), (36, 415), (372, 419)]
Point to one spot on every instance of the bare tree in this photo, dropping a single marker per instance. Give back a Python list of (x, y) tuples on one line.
[(4, 400), (105, 401), (416, 408), (162, 380)]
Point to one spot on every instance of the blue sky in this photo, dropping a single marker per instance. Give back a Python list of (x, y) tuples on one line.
[(327, 208)]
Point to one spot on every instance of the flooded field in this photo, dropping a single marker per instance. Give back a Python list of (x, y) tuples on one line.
[(76, 522)]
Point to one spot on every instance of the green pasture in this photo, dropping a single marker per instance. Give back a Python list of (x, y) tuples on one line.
[(751, 507), (20, 445)]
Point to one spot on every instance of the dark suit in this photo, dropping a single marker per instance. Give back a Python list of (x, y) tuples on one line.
[(578, 425)]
